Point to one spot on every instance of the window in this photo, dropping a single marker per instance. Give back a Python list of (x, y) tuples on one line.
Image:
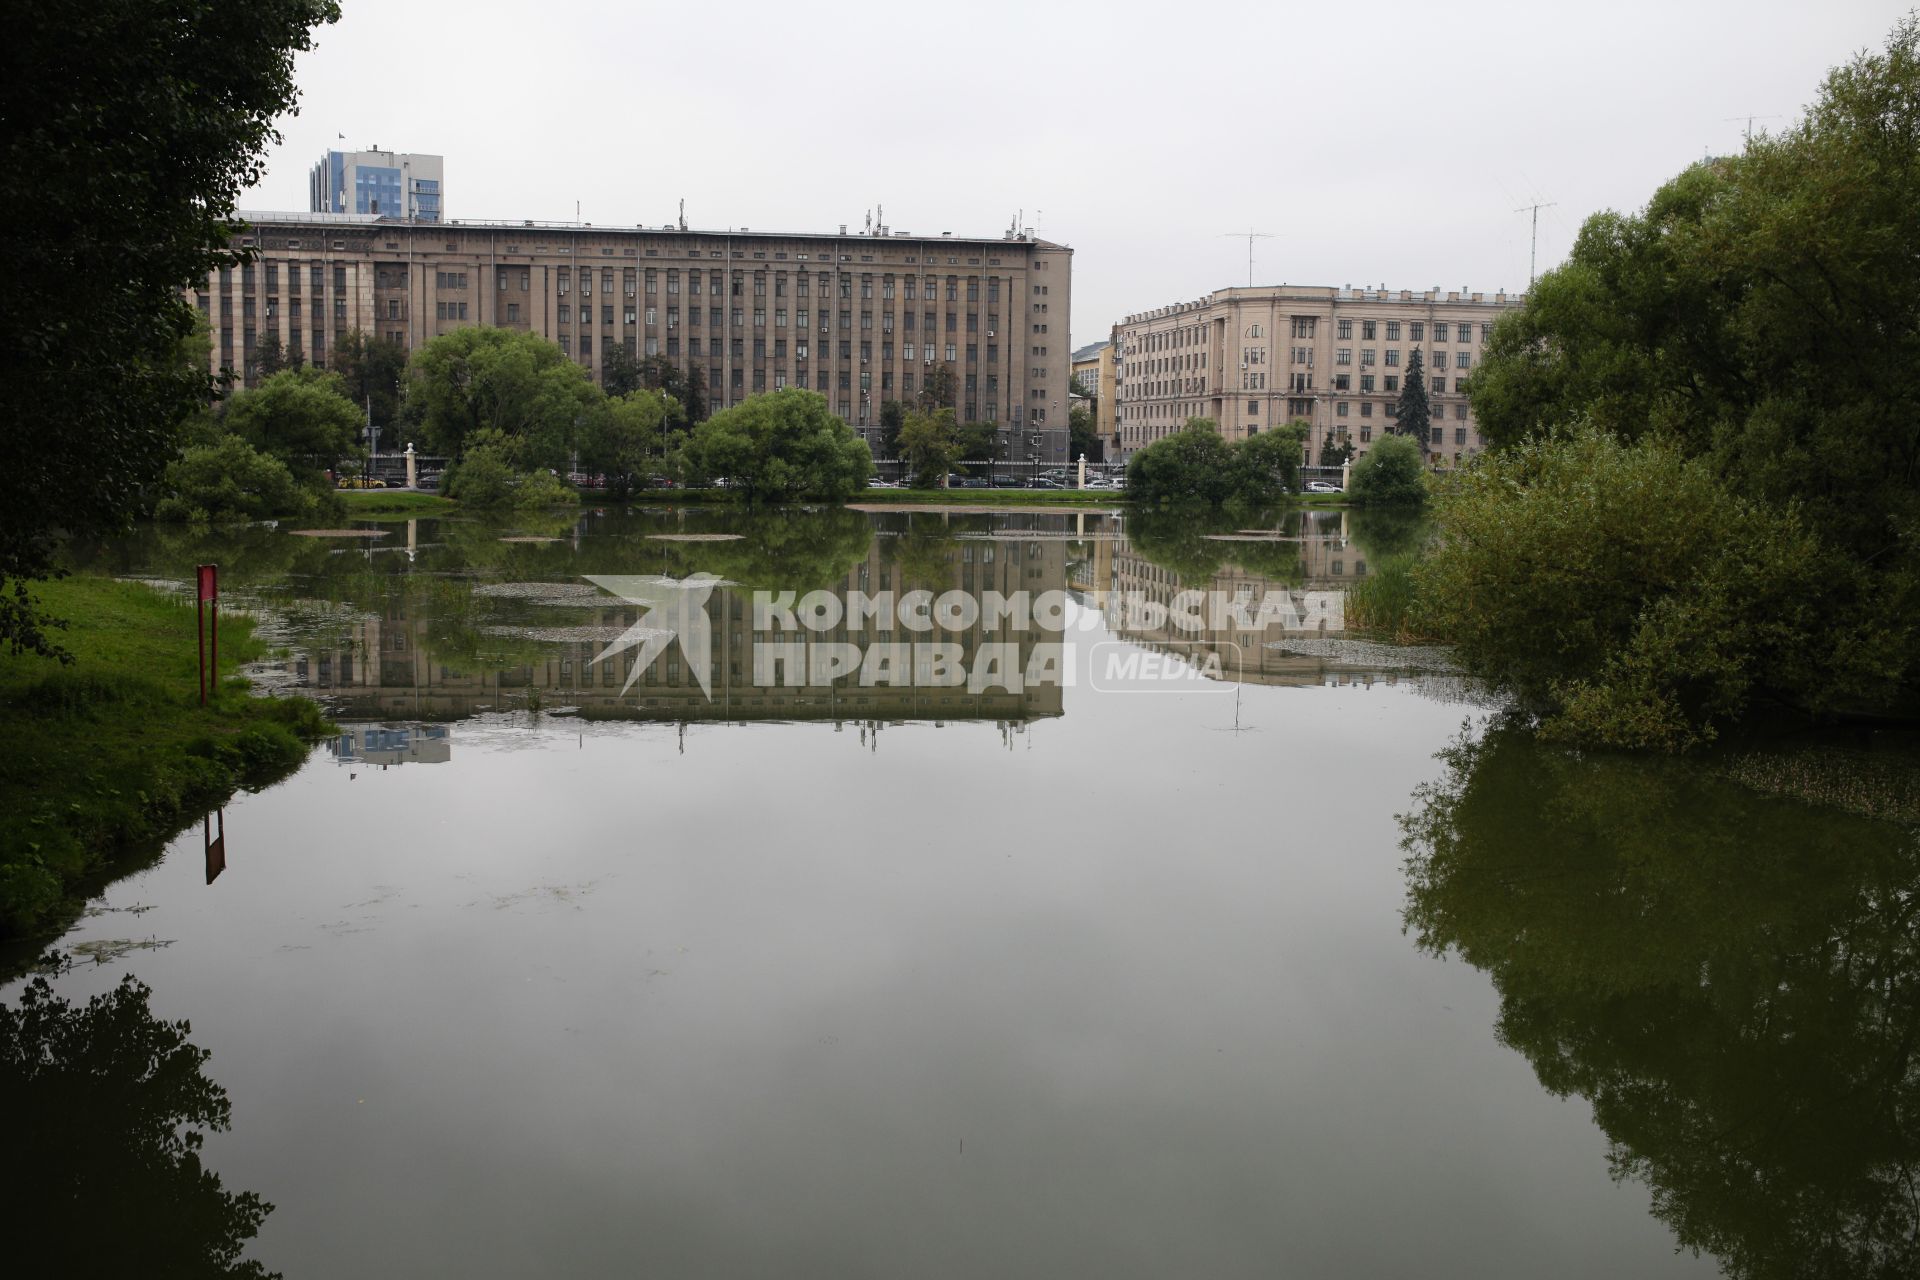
[(1439, 386), (1346, 329), (1439, 330), (1340, 409), (1343, 355), (1393, 357), (1459, 435), (1367, 330), (1460, 412), (1464, 332), (1366, 408), (1393, 331), (1366, 382), (1392, 381), (1416, 329), (513, 313)]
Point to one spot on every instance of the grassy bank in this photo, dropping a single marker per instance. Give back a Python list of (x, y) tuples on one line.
[(394, 502), (107, 757)]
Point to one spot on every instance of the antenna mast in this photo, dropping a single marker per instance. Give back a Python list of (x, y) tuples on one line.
[(1251, 236), (1533, 244)]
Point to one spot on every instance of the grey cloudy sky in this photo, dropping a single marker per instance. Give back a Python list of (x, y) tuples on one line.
[(1382, 143)]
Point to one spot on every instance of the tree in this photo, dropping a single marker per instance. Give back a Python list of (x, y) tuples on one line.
[(893, 416), (1389, 474), (298, 416), (1623, 592), (113, 1107), (486, 379), (270, 357), (687, 386), (1414, 417), (1266, 466), (372, 373), (132, 129), (930, 445), (1334, 453), (624, 437), (939, 390), (1075, 387), (780, 446), (230, 481), (1762, 315), (1084, 438), (620, 371), (1192, 465)]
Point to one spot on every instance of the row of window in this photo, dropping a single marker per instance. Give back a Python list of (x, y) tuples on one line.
[(717, 284), (803, 318)]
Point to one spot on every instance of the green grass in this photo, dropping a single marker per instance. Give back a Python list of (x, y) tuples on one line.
[(1382, 602), (403, 502), (106, 757)]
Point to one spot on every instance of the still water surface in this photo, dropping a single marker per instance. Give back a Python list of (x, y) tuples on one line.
[(527, 975)]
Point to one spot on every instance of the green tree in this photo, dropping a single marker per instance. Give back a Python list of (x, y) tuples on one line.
[(1192, 465), (1626, 595), (229, 481), (112, 1108), (620, 371), (132, 129), (1762, 313), (781, 446), (939, 390), (1334, 453), (1266, 466), (625, 437), (687, 386), (1084, 438), (1389, 474), (270, 356), (930, 445), (893, 416), (373, 373), (517, 384), (1413, 417), (298, 416)]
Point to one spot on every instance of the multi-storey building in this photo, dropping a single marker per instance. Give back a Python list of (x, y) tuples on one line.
[(382, 183), (1333, 358), (1094, 366), (861, 319)]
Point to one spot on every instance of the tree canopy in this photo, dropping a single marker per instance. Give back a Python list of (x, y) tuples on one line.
[(1414, 416), (930, 445), (133, 127), (517, 384), (299, 416), (1389, 473), (1760, 318), (781, 446), (625, 437), (1196, 466)]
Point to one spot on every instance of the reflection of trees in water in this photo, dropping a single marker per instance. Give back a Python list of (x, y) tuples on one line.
[(1181, 541), (107, 1110), (1733, 982), (1382, 532)]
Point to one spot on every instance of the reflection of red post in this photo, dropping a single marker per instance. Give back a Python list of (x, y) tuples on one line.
[(216, 844), (208, 576)]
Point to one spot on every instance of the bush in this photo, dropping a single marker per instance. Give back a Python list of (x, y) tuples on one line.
[(1621, 592), (1195, 465), (1389, 474), (781, 446), (230, 481)]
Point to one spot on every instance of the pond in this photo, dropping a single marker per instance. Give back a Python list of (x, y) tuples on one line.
[(628, 926)]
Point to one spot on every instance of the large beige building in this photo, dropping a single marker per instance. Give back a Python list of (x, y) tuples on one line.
[(1253, 359), (861, 318)]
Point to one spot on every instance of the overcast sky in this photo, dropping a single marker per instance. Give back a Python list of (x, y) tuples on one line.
[(1379, 143)]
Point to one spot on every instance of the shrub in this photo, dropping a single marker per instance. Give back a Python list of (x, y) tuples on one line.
[(230, 481), (1389, 474)]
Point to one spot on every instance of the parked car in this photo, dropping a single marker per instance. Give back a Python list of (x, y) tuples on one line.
[(1323, 486), (1045, 482), (429, 481), (362, 482)]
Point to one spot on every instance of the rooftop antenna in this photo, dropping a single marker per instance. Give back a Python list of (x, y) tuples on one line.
[(683, 213), (1748, 135), (1251, 237), (1533, 243)]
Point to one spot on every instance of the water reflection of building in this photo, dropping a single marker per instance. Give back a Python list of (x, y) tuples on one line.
[(1328, 561), (423, 666), (379, 744)]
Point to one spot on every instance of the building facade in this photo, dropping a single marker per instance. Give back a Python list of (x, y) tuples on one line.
[(861, 319), (1253, 359), (1096, 368), (385, 184)]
